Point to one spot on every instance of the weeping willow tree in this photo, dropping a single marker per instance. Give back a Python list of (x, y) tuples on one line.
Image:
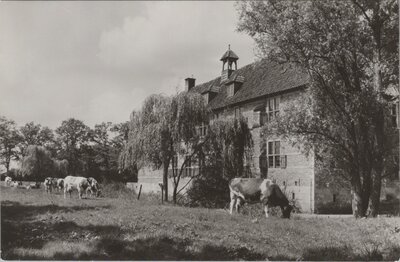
[(38, 164), (225, 155), (164, 128)]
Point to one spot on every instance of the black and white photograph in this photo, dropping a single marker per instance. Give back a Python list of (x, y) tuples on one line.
[(200, 130)]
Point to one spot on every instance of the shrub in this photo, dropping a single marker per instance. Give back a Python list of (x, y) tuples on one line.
[(334, 208), (209, 190), (116, 190)]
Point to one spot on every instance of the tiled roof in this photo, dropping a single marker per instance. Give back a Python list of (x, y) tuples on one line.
[(261, 78)]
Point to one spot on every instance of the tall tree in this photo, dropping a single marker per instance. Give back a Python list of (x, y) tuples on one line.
[(350, 50), (35, 134), (226, 152), (37, 163), (10, 138), (73, 135), (164, 128)]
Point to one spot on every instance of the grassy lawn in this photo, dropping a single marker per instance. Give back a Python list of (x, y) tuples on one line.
[(38, 226)]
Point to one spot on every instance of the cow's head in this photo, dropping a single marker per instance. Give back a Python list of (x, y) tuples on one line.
[(287, 210)]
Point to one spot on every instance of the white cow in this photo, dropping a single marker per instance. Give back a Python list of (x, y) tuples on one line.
[(16, 183), (75, 182), (94, 188), (8, 180), (258, 190)]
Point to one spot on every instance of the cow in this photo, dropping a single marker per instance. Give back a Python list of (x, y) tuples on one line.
[(35, 185), (75, 182), (8, 180), (16, 183), (94, 188), (60, 183), (48, 184), (258, 190)]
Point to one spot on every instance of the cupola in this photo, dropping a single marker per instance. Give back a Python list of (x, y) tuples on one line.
[(228, 59)]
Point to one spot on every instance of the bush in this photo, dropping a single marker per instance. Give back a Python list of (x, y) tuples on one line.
[(209, 190), (334, 208), (116, 190)]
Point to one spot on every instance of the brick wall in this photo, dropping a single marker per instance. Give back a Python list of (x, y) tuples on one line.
[(297, 178)]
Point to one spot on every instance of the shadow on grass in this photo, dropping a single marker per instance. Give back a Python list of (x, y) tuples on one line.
[(20, 226), (345, 253), (24, 237)]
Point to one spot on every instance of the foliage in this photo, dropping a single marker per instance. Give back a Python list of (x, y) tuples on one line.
[(9, 140), (350, 51), (228, 147), (334, 208), (165, 127), (35, 134), (37, 163), (73, 138)]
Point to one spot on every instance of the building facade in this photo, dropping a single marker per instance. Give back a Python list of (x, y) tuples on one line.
[(258, 92)]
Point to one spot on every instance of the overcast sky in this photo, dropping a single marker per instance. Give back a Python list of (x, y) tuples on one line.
[(97, 61)]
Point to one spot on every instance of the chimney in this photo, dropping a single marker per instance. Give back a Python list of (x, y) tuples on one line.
[(190, 82)]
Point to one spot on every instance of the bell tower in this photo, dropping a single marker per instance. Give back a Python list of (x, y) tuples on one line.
[(228, 59)]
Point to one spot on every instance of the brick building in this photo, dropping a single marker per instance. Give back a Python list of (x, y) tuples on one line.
[(258, 92)]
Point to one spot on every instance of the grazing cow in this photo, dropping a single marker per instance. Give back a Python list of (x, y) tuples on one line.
[(8, 180), (260, 190), (75, 182), (16, 183), (48, 184), (33, 185), (93, 188), (60, 183)]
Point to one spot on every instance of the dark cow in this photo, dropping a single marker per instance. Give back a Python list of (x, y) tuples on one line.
[(258, 190)]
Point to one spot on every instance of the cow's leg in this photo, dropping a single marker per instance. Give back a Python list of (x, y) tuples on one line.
[(238, 204), (65, 192), (266, 209), (233, 203)]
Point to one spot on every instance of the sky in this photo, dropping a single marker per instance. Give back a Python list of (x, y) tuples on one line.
[(98, 61)]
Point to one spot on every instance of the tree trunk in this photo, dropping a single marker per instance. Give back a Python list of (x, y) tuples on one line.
[(375, 194), (174, 196), (358, 203), (165, 180)]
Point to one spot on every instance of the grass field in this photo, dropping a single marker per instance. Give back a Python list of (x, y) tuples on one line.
[(38, 226)]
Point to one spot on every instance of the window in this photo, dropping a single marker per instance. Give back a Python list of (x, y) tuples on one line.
[(188, 168), (205, 97), (393, 115), (284, 183), (175, 164), (295, 183), (274, 157), (293, 195), (231, 90), (238, 112), (260, 116), (202, 130), (272, 108)]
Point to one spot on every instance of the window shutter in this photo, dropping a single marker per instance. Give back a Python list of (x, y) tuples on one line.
[(283, 161)]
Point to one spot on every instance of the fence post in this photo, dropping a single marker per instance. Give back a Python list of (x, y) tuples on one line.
[(140, 191)]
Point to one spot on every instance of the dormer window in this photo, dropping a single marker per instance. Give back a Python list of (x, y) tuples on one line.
[(231, 90), (205, 97)]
